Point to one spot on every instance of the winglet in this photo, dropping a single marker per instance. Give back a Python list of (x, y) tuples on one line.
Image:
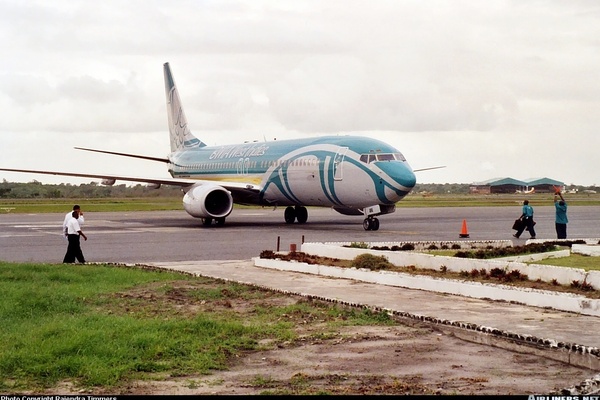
[(179, 132)]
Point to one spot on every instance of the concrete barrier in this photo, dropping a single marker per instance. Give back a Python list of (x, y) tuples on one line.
[(546, 273), (531, 297), (586, 249)]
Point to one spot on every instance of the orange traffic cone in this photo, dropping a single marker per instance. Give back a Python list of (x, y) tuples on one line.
[(464, 233)]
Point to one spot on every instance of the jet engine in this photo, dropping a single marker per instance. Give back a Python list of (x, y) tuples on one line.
[(108, 182), (208, 201)]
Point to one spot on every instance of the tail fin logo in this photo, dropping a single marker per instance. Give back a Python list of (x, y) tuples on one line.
[(180, 134)]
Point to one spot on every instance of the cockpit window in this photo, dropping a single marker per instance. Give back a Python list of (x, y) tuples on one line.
[(371, 157), (367, 158), (385, 157)]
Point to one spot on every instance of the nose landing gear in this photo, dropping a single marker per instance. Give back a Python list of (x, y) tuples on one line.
[(371, 224)]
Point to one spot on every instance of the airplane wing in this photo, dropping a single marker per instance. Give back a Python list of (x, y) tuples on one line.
[(235, 187)]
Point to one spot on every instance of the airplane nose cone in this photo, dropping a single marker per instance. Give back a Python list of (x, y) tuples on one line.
[(401, 176), (407, 177), (400, 172)]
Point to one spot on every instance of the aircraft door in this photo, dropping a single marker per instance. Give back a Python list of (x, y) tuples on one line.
[(338, 163)]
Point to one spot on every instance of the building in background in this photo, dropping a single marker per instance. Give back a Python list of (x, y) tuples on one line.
[(511, 185)]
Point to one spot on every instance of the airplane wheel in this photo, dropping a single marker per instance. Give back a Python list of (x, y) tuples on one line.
[(220, 221), (367, 224), (301, 214), (207, 221), (375, 224), (289, 215)]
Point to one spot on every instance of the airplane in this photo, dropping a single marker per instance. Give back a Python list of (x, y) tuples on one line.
[(354, 175), (530, 191)]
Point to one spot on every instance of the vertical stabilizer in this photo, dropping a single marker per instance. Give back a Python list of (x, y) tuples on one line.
[(179, 132)]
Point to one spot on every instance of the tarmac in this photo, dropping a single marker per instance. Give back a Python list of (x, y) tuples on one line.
[(565, 336)]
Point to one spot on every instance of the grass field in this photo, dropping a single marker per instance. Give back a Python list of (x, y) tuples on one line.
[(103, 326), (91, 205)]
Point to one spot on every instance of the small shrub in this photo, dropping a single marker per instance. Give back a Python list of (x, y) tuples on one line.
[(443, 269), (432, 247), (497, 273), (444, 247), (456, 246), (474, 273), (381, 248), (587, 287), (369, 261), (408, 246), (359, 245), (480, 254), (554, 282), (516, 274), (267, 254), (582, 285)]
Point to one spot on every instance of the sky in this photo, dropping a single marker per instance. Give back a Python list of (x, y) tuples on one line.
[(488, 89)]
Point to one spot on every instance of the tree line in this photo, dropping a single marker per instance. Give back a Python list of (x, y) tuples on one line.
[(35, 189)]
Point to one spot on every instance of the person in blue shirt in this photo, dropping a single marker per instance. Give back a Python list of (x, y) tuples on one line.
[(561, 219), (527, 218)]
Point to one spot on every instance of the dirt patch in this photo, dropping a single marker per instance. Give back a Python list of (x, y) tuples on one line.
[(397, 359), (378, 360)]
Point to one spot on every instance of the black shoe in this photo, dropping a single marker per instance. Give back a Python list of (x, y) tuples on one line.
[(514, 235)]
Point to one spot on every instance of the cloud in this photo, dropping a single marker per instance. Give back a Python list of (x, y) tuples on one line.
[(507, 85)]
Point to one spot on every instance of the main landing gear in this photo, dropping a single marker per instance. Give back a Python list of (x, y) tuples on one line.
[(371, 224), (208, 221), (298, 213)]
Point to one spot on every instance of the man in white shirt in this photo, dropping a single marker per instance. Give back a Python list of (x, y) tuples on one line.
[(69, 215), (73, 236)]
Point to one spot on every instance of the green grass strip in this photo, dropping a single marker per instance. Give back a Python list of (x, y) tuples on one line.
[(54, 327)]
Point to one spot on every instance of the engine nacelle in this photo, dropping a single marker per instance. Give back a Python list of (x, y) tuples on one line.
[(108, 182), (208, 201)]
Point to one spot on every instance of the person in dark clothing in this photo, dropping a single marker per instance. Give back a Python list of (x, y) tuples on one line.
[(527, 218), (73, 235), (561, 219)]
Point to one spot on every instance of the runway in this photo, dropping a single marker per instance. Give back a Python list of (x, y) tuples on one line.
[(164, 236)]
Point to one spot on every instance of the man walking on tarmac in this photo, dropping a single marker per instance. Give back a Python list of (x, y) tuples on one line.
[(527, 218), (73, 236)]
